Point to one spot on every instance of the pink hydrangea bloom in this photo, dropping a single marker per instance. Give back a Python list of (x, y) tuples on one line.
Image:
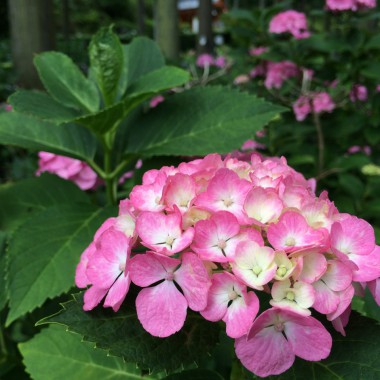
[(255, 51), (302, 108), (220, 62), (318, 102), (322, 102), (358, 93), (211, 233), (278, 72), (204, 60), (68, 168), (340, 5), (292, 22), (366, 4)]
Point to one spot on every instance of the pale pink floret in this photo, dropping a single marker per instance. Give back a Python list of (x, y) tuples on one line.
[(254, 265), (352, 236), (263, 205), (148, 196), (319, 212), (225, 192), (162, 309), (345, 299), (285, 266), (216, 239), (292, 233), (266, 351), (297, 297), (337, 278), (229, 301), (290, 21), (106, 269), (81, 279), (311, 266), (68, 168), (163, 233), (341, 5), (179, 191)]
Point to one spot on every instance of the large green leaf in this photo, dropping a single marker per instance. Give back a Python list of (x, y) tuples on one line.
[(107, 60), (122, 335), (44, 252), (28, 132), (19, 200), (200, 121), (152, 83), (143, 56), (158, 80), (195, 374), (41, 105), (65, 82), (57, 354), (3, 283), (354, 357)]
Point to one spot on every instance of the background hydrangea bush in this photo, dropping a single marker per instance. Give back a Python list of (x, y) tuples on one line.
[(229, 265)]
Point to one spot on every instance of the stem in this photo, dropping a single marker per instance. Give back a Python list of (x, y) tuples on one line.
[(321, 142), (109, 179), (3, 346)]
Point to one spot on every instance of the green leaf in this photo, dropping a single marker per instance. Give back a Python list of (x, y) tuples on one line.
[(200, 121), (19, 200), (3, 283), (371, 71), (144, 88), (367, 306), (195, 374), (56, 351), (122, 335), (30, 133), (65, 82), (42, 106), (143, 56), (107, 60), (352, 185), (44, 251), (354, 357), (158, 80)]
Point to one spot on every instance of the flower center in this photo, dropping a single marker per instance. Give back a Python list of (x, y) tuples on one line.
[(256, 270), (232, 295), (281, 271), (122, 267), (169, 276), (222, 244), (170, 240), (290, 241), (279, 326), (228, 202), (290, 296)]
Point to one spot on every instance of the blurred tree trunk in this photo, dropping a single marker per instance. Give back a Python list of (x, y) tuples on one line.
[(205, 39), (141, 17), (167, 28), (32, 31)]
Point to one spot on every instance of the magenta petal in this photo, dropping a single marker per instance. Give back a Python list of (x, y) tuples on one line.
[(117, 292), (369, 266), (374, 287), (241, 314), (92, 297), (267, 353), (81, 279), (161, 309), (326, 300), (146, 269), (345, 298), (308, 338), (194, 281)]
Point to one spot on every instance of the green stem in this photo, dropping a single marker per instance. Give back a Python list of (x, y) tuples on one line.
[(3, 346), (321, 142), (109, 179)]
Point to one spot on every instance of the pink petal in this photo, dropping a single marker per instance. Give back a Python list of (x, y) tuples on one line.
[(368, 266), (314, 266), (267, 353), (194, 281), (374, 287), (326, 300), (146, 269), (92, 297), (81, 279), (118, 292), (241, 314), (345, 300), (161, 309), (179, 190), (338, 276), (114, 246), (308, 338), (101, 272)]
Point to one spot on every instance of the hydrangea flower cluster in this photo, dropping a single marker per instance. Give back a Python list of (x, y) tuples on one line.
[(315, 102), (212, 233), (292, 22), (347, 5)]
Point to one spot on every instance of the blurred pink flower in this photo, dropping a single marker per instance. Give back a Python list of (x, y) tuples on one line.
[(290, 21), (68, 168), (278, 72), (204, 60), (255, 51), (358, 93), (220, 62), (241, 79), (340, 5), (319, 102), (154, 102), (322, 102)]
